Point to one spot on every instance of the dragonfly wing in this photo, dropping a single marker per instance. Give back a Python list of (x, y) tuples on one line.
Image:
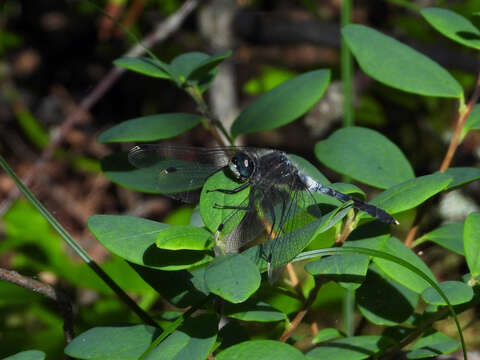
[(181, 170)]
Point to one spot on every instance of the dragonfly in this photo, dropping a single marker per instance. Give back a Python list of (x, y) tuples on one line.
[(280, 202)]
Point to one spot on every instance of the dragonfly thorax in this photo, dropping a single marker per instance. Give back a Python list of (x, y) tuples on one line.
[(242, 166)]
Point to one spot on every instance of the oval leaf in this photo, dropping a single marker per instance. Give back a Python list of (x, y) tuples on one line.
[(193, 340), (351, 348), (261, 349), (433, 345), (27, 355), (348, 269), (456, 291), (233, 277), (364, 155), (471, 243), (462, 176), (150, 128), (283, 104), (383, 301), (145, 66), (253, 311), (397, 65), (449, 236), (453, 26), (399, 273), (104, 343), (184, 237), (134, 239), (326, 334), (410, 193)]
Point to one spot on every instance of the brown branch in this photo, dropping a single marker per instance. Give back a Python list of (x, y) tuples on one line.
[(452, 148), (301, 314), (462, 118), (160, 33), (61, 300)]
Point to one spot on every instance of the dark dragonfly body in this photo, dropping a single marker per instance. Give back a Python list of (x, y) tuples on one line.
[(279, 196)]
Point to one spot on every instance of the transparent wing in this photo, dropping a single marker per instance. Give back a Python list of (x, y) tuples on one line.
[(181, 170)]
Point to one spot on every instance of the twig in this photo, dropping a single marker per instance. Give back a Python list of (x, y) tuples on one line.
[(454, 143), (462, 118), (48, 291), (160, 33)]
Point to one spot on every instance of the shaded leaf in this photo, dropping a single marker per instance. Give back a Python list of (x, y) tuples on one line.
[(326, 334), (397, 65), (433, 345), (27, 355), (145, 66), (449, 236), (350, 348), (456, 291), (383, 301), (410, 193), (261, 350), (233, 277), (473, 121), (364, 155), (471, 243), (150, 128), (348, 269), (134, 239), (461, 176), (453, 25), (104, 342), (253, 311), (283, 104)]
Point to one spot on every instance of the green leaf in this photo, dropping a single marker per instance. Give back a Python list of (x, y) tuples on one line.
[(397, 65), (461, 176), (253, 311), (208, 67), (449, 236), (326, 334), (261, 350), (383, 301), (150, 128), (233, 277), (180, 288), (453, 26), (471, 243), (364, 155), (145, 66), (115, 343), (283, 104), (27, 355), (213, 217), (134, 239), (456, 291), (350, 348), (411, 193), (193, 340), (348, 269), (433, 345), (473, 121), (184, 237), (399, 273), (183, 65)]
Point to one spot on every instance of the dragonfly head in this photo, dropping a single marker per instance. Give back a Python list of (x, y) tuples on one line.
[(241, 165)]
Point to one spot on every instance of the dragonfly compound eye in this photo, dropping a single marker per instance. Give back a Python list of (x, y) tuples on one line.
[(241, 165)]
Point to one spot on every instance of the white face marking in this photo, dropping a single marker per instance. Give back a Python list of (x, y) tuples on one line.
[(234, 170), (245, 163)]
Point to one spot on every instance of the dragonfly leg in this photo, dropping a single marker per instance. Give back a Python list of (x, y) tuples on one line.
[(231, 191), (218, 206)]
